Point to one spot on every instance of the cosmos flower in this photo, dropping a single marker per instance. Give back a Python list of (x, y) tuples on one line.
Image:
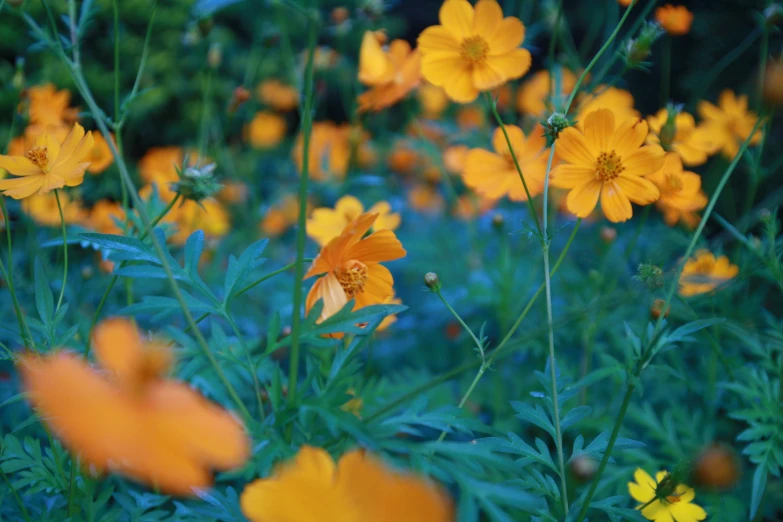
[(681, 193), (326, 223), (705, 273), (391, 73), (676, 20), (691, 142), (661, 506), (731, 122), (266, 130)]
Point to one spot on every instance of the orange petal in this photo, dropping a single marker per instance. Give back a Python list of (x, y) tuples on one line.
[(457, 17), (582, 199), (505, 35), (437, 38), (599, 131), (629, 136), (639, 190), (460, 87), (572, 147), (377, 247), (118, 348), (615, 204), (570, 176), (512, 64), (19, 166), (488, 15), (20, 188)]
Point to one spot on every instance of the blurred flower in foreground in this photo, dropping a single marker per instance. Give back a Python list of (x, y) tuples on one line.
[(391, 74), (48, 165), (360, 488), (679, 133), (533, 96), (325, 223), (676, 20), (474, 49), (48, 106), (662, 500), (129, 418), (266, 130), (619, 101), (773, 82), (278, 95), (43, 209), (731, 122), (704, 273), (681, 194), (351, 264), (607, 161), (717, 466), (494, 175)]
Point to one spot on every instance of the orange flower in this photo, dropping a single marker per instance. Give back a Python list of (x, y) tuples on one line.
[(233, 192), (731, 123), (43, 209), (281, 217), (325, 223), (624, 3), (392, 74), (352, 268), (704, 273), (266, 130), (402, 158), (471, 117), (676, 20), (104, 216), (693, 144), (159, 166), (100, 157), (48, 165), (474, 49), (48, 106), (533, 96), (278, 95), (433, 100), (359, 489), (454, 158), (494, 175), (607, 161), (681, 194), (619, 101), (425, 198), (330, 151), (128, 418)]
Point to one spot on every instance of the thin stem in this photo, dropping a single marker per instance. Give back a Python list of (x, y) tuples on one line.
[(479, 344), (116, 9), (632, 244), (18, 499), (598, 56), (307, 128), (666, 69), (205, 110), (499, 120), (24, 329), (74, 35), (65, 250), (552, 46), (142, 64), (250, 365)]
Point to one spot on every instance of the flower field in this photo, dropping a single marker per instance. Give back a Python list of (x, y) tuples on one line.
[(391, 261)]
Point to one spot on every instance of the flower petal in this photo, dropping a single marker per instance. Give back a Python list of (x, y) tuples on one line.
[(457, 17), (683, 512), (570, 176), (512, 64), (643, 161), (487, 17), (599, 131), (440, 67), (505, 36), (639, 190), (486, 77), (581, 201), (380, 246), (629, 136), (19, 166), (331, 291), (615, 204), (20, 188), (572, 147), (460, 87), (437, 38)]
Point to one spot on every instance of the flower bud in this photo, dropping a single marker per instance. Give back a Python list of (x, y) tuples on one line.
[(583, 468), (608, 234), (773, 83), (197, 183), (650, 276), (240, 96), (716, 467), (554, 125), (498, 221), (656, 309), (669, 129), (432, 281), (637, 50)]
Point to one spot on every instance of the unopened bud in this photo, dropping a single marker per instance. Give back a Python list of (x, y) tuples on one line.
[(657, 309), (716, 467), (432, 281), (773, 83), (583, 468), (650, 276), (669, 129), (240, 96), (637, 50), (197, 183), (554, 125)]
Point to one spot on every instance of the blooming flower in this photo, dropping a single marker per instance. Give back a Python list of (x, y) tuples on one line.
[(278, 95), (360, 488), (664, 506), (325, 223), (352, 267), (265, 130), (48, 165), (619, 101), (50, 107), (128, 418), (731, 122), (676, 20), (392, 74), (474, 49), (100, 156), (704, 273), (681, 194), (533, 96), (494, 175), (692, 143), (607, 161)]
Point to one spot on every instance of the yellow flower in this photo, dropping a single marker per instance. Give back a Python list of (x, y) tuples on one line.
[(691, 142), (681, 194), (48, 106), (325, 223), (534, 93), (619, 101), (100, 155), (360, 488), (208, 216), (433, 100), (607, 161), (43, 209), (265, 130), (731, 122), (676, 20), (675, 506), (704, 273), (159, 166), (494, 175), (278, 95), (474, 49), (48, 165), (392, 74)]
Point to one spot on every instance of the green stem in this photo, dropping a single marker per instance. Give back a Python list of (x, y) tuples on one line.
[(74, 35), (551, 52), (250, 366), (142, 63), (666, 70), (65, 250), (598, 56), (24, 329), (205, 110), (307, 127), (479, 344)]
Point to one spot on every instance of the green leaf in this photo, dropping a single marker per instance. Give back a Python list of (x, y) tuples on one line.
[(759, 486), (44, 300)]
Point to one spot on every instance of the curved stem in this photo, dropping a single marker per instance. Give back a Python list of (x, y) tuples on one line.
[(65, 250), (250, 366), (478, 343)]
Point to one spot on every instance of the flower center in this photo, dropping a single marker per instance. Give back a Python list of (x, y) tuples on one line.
[(40, 157), (673, 499), (474, 49), (352, 277), (674, 182), (608, 166)]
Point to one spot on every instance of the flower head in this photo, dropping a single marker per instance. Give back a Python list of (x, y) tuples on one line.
[(773, 83), (474, 49), (360, 488), (433, 100), (681, 193), (129, 418), (48, 106), (351, 264), (325, 223), (278, 95), (619, 101), (330, 150), (607, 161), (391, 73), (678, 132), (494, 175), (48, 165), (662, 501), (676, 20), (730, 122), (265, 130), (705, 273)]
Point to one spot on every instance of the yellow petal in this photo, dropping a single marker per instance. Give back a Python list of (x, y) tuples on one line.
[(457, 17), (19, 166), (573, 147), (615, 204), (512, 64), (505, 35), (582, 199), (599, 131), (487, 17)]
